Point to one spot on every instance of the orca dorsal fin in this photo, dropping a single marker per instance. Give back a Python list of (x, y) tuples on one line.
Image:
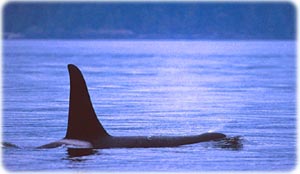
[(83, 123)]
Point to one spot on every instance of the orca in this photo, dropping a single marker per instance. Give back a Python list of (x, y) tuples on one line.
[(85, 130)]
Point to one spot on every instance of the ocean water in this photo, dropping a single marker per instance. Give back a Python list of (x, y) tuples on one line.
[(240, 88)]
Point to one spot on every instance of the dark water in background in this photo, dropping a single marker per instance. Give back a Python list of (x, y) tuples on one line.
[(238, 88)]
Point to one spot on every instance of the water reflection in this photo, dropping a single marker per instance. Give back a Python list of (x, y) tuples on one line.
[(79, 152)]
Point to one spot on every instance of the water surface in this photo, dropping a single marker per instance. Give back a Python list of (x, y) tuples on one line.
[(245, 89)]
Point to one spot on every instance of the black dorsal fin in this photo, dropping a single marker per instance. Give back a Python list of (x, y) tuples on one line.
[(83, 123)]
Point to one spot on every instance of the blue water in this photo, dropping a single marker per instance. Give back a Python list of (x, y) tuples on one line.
[(239, 88)]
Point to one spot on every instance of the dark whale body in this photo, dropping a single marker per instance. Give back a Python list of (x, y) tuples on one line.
[(85, 131)]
